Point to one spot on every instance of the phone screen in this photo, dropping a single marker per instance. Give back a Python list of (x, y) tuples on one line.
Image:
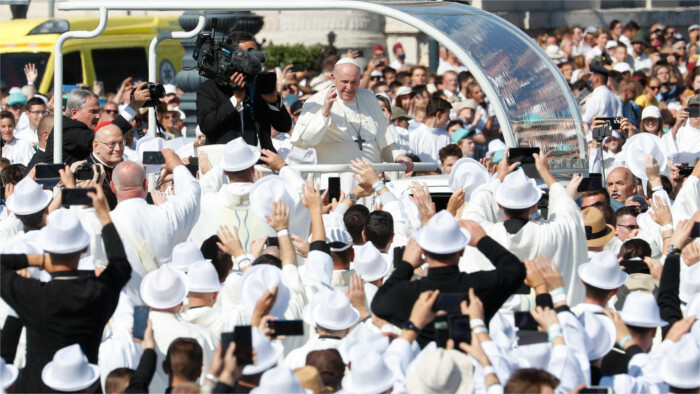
[(287, 327), (48, 171), (523, 155), (226, 339), (596, 390), (242, 336), (635, 267), (695, 232), (140, 321), (441, 331), (273, 241), (449, 302), (76, 196), (593, 182), (333, 188), (193, 166), (459, 329), (693, 112), (153, 158)]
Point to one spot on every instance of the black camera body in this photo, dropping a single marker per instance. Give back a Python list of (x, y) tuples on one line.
[(219, 60), (156, 91), (601, 132), (84, 172)]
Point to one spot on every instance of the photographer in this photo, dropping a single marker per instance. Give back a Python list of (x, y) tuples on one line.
[(225, 113)]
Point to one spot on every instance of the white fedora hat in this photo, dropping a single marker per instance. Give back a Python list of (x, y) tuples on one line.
[(164, 288), (259, 278), (680, 367), (603, 271), (443, 235), (690, 283), (268, 190), (338, 238), (28, 198), (238, 155), (636, 150), (69, 370), (468, 174), (64, 234), (268, 353), (184, 254), (641, 310), (202, 277), (335, 312), (368, 374), (279, 380), (442, 371), (601, 331), (308, 313), (8, 374), (517, 191), (370, 263)]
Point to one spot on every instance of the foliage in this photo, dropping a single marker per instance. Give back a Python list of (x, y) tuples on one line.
[(297, 54)]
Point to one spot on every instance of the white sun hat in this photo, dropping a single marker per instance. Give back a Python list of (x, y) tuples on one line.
[(69, 370), (169, 88), (28, 198), (403, 90), (202, 277), (8, 374), (603, 271), (335, 312), (517, 191), (651, 111), (259, 278), (269, 189), (279, 380), (680, 367), (468, 174), (238, 155), (268, 353), (368, 374), (308, 313), (370, 263), (641, 310), (636, 150), (443, 235), (442, 371), (164, 288), (64, 234), (184, 254), (622, 67), (690, 283), (601, 331)]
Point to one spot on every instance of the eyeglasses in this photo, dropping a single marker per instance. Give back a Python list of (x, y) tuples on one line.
[(629, 227), (112, 145)]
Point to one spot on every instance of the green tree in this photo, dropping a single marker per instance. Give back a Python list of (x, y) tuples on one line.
[(297, 54)]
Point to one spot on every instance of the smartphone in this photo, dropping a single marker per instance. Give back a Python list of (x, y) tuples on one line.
[(596, 390), (614, 123), (693, 112), (333, 188), (287, 327), (360, 53), (524, 321), (297, 68), (76, 196), (226, 339), (523, 155), (49, 171), (154, 158), (398, 254), (635, 267), (272, 241), (459, 329), (193, 166), (593, 182), (441, 331), (695, 232), (140, 321), (243, 338), (449, 302), (685, 171)]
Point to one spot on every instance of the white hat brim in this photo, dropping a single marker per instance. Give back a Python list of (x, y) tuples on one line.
[(243, 165), (47, 376), (671, 377), (507, 202), (632, 321), (49, 245), (205, 289), (263, 365), (255, 202), (40, 205), (466, 161), (380, 275), (583, 273), (367, 387), (13, 373), (424, 243), (176, 298), (350, 319)]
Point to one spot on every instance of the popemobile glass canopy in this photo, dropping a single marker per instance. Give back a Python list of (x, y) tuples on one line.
[(531, 99)]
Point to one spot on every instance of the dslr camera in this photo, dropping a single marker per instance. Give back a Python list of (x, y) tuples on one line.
[(156, 91), (84, 172)]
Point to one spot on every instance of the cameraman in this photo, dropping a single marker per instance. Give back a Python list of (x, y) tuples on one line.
[(223, 116)]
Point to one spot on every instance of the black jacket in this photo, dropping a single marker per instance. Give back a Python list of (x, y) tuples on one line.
[(667, 296), (221, 123), (141, 378), (73, 308), (77, 140), (394, 300), (109, 194)]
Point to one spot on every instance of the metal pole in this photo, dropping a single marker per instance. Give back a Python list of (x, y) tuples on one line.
[(58, 79), (153, 61), (51, 8)]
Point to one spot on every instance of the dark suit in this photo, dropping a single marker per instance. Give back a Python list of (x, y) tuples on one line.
[(221, 123), (109, 194), (77, 140)]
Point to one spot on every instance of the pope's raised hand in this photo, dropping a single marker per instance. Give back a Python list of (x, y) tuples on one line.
[(331, 96)]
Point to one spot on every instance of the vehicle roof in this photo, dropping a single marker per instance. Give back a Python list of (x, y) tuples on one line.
[(15, 33)]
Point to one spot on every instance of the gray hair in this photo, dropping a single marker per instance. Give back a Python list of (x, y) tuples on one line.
[(77, 99)]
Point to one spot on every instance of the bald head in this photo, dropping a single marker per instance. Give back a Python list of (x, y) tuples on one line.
[(129, 180), (621, 184), (108, 145)]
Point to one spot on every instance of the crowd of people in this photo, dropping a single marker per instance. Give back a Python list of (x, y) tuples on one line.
[(189, 285)]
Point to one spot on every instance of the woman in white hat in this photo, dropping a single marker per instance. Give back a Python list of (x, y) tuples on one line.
[(651, 121)]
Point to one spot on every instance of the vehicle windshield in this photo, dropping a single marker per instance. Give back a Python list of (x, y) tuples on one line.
[(12, 67)]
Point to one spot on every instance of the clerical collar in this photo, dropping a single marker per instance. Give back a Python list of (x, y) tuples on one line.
[(94, 156), (514, 225)]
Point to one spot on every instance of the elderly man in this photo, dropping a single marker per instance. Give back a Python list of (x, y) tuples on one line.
[(350, 128), (621, 184), (603, 102), (150, 232), (107, 150), (82, 115)]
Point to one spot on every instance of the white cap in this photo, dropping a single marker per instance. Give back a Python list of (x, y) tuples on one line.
[(170, 88), (651, 111), (403, 90), (622, 67), (338, 238)]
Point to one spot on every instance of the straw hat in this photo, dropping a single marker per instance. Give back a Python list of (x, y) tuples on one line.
[(600, 232)]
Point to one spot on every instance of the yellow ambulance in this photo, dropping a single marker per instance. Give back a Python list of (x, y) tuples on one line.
[(121, 51)]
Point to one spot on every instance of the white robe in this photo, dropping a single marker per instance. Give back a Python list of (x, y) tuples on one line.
[(602, 102), (215, 321), (290, 153), (335, 137)]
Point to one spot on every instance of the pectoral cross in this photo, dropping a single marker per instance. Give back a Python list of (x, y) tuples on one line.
[(359, 141)]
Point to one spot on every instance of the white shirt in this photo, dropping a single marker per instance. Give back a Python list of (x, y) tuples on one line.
[(426, 142), (335, 137), (213, 320), (162, 226), (445, 67), (401, 137), (28, 135), (685, 147), (18, 151), (602, 102), (396, 64), (642, 62)]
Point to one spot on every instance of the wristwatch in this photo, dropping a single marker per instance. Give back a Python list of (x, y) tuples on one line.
[(410, 326), (352, 197), (673, 249)]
